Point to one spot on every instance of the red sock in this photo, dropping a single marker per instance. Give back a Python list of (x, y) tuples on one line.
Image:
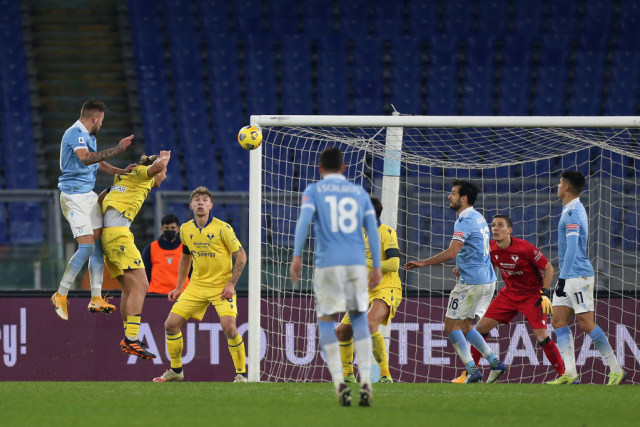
[(553, 355), (475, 354)]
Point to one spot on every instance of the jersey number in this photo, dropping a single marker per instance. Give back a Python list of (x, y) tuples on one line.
[(579, 297), (343, 214), (485, 238)]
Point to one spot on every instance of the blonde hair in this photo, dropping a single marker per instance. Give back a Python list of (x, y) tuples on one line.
[(201, 190), (148, 160)]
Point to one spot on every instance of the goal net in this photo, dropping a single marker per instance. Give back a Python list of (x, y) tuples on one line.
[(409, 163)]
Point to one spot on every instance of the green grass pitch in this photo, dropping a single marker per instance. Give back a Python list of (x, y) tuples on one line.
[(313, 404)]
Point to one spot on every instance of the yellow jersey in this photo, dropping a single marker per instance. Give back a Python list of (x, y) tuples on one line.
[(388, 241), (210, 247), (128, 192)]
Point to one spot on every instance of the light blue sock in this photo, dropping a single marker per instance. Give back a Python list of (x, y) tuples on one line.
[(96, 270), (602, 344), (461, 346), (74, 266), (362, 344), (329, 344), (565, 345), (478, 342)]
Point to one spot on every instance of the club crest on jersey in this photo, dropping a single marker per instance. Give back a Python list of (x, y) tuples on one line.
[(191, 236), (210, 236), (137, 262), (122, 248), (515, 258), (169, 259)]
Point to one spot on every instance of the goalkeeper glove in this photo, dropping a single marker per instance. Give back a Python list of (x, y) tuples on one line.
[(560, 288), (544, 301)]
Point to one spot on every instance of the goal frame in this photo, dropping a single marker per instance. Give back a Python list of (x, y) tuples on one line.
[(390, 181)]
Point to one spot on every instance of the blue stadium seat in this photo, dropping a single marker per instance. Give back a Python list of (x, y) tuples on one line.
[(587, 83), (615, 226), (550, 92), (480, 50), (249, 17), (598, 16), (478, 90), (319, 19), (442, 91), (260, 77), (555, 49), (444, 50), (354, 17), (284, 17), (630, 228), (517, 50), (389, 18), (493, 17), (563, 16), (628, 23), (423, 18), (4, 228), (26, 225), (623, 86), (514, 89), (214, 16), (297, 87), (528, 16), (368, 97), (458, 17), (406, 75), (332, 76)]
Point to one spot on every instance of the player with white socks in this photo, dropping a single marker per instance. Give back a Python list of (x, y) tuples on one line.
[(574, 291), (339, 209)]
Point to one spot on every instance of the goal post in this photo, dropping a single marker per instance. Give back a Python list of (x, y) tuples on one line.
[(409, 162)]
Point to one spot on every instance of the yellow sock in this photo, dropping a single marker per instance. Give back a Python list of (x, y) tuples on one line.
[(174, 345), (346, 354), (124, 325), (380, 353), (133, 327), (236, 348)]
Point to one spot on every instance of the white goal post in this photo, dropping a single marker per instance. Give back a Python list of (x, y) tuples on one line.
[(408, 162)]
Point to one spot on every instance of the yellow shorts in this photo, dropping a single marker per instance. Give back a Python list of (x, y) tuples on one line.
[(195, 300), (120, 252), (390, 296)]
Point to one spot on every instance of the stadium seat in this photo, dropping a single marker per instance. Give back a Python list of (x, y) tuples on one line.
[(517, 51), (493, 17), (260, 77), (332, 76), (442, 90), (563, 16), (550, 91), (528, 17), (555, 49), (214, 16), (249, 17), (458, 17), (406, 75), (297, 87), (319, 20), (478, 90), (423, 18), (623, 86), (284, 18), (367, 71), (355, 17), (389, 18), (480, 50), (630, 228), (444, 50), (4, 228), (26, 225), (598, 17), (514, 90)]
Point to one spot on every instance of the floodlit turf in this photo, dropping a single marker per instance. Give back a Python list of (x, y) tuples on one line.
[(307, 405)]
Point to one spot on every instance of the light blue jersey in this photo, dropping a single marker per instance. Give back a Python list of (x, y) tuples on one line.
[(76, 177), (339, 209), (573, 236), (473, 260)]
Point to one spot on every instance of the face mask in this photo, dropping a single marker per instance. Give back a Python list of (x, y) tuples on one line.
[(169, 234)]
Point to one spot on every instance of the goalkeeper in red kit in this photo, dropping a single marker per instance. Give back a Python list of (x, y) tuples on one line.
[(526, 290)]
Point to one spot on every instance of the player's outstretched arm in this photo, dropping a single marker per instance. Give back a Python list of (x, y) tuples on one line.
[(160, 163), (109, 169), (447, 255), (88, 158)]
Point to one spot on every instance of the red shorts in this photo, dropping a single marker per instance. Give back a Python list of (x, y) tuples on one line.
[(506, 305)]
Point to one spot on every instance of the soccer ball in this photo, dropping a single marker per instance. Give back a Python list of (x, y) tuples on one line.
[(250, 137)]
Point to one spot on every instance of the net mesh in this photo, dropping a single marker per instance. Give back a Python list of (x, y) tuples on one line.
[(518, 170)]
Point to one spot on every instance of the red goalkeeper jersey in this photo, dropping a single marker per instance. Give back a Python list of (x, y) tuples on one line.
[(520, 264)]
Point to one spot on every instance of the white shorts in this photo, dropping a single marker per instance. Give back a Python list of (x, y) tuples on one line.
[(579, 295), (469, 301), (341, 288), (82, 211)]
